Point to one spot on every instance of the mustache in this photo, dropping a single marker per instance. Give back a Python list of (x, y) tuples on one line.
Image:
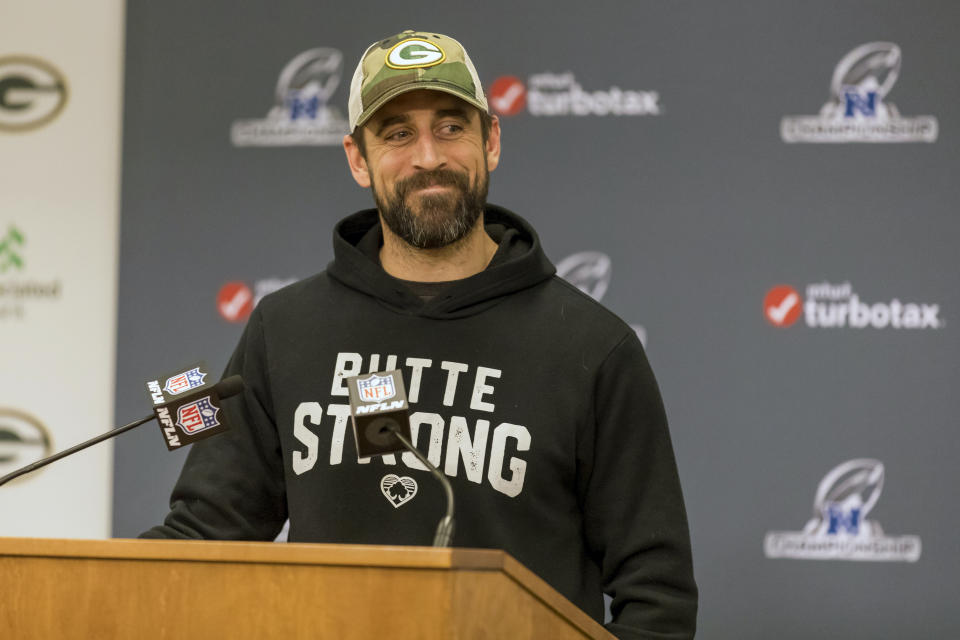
[(435, 177)]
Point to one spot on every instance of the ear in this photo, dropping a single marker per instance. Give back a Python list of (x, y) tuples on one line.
[(493, 144), (356, 161)]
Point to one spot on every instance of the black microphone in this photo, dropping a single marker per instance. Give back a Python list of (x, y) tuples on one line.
[(224, 389), (187, 408), (381, 424)]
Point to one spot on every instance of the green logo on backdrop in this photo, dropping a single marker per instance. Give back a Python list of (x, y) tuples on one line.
[(10, 244)]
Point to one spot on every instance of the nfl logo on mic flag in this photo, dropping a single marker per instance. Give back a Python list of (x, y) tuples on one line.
[(187, 407), (198, 415), (376, 388), (183, 382), (378, 404)]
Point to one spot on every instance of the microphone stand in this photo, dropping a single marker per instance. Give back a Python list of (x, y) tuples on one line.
[(225, 388), (80, 447), (444, 534)]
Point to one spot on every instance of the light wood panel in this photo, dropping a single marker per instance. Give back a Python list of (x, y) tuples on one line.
[(176, 589)]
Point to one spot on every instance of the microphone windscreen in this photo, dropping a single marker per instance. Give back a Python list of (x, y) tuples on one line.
[(229, 386)]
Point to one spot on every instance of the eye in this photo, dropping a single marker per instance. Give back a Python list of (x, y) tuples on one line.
[(451, 129), (400, 135)]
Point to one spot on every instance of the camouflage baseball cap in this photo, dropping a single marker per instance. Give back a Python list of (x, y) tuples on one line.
[(408, 61)]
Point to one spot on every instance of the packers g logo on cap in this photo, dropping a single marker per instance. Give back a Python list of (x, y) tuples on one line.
[(414, 53)]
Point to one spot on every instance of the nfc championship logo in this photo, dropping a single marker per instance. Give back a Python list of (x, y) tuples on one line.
[(589, 271), (301, 114), (32, 93), (839, 528), (857, 111), (376, 388), (183, 382), (197, 416)]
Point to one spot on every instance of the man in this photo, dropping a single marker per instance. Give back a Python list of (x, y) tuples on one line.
[(537, 402)]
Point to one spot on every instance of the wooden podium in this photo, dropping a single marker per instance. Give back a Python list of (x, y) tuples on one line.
[(93, 589)]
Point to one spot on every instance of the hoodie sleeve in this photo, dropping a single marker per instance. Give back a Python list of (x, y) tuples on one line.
[(232, 485), (635, 521)]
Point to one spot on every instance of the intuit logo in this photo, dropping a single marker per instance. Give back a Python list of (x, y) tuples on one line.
[(837, 306)]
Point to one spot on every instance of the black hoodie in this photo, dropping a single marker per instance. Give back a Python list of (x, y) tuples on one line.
[(535, 401)]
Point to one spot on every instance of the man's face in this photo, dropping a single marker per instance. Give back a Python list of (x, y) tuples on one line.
[(428, 166)]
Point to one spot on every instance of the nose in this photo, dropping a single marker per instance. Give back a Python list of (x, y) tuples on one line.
[(428, 153)]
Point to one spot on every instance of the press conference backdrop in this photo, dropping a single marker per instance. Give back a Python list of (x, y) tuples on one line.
[(765, 191), (60, 95)]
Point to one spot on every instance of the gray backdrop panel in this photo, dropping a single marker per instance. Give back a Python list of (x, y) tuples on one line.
[(702, 210)]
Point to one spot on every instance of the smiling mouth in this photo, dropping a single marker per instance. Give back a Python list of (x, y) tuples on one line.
[(433, 187)]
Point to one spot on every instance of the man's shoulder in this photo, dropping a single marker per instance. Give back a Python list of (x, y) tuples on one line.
[(564, 310), (296, 294), (583, 305)]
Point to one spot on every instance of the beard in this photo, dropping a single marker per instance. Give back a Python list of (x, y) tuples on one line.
[(438, 219)]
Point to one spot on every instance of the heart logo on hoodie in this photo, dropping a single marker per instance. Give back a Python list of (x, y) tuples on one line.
[(397, 490)]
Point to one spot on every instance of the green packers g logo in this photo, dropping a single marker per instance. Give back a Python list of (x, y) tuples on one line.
[(32, 93), (414, 53)]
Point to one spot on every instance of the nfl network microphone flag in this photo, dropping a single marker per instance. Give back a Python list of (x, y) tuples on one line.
[(378, 403), (187, 407)]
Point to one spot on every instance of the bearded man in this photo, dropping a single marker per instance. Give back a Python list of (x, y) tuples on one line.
[(536, 402)]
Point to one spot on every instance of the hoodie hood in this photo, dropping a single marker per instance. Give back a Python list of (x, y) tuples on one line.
[(518, 264)]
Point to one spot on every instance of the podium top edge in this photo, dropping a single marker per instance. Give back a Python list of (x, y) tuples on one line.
[(257, 552)]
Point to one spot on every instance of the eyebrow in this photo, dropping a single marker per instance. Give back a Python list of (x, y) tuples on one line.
[(456, 112), (392, 120)]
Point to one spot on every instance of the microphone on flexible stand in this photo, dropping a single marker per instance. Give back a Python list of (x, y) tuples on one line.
[(196, 410), (381, 424), (444, 535)]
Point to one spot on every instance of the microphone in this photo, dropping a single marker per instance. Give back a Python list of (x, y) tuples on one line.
[(381, 424), (211, 395), (187, 408)]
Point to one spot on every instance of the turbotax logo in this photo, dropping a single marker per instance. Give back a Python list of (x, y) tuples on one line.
[(559, 94), (837, 306), (236, 299), (839, 528)]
